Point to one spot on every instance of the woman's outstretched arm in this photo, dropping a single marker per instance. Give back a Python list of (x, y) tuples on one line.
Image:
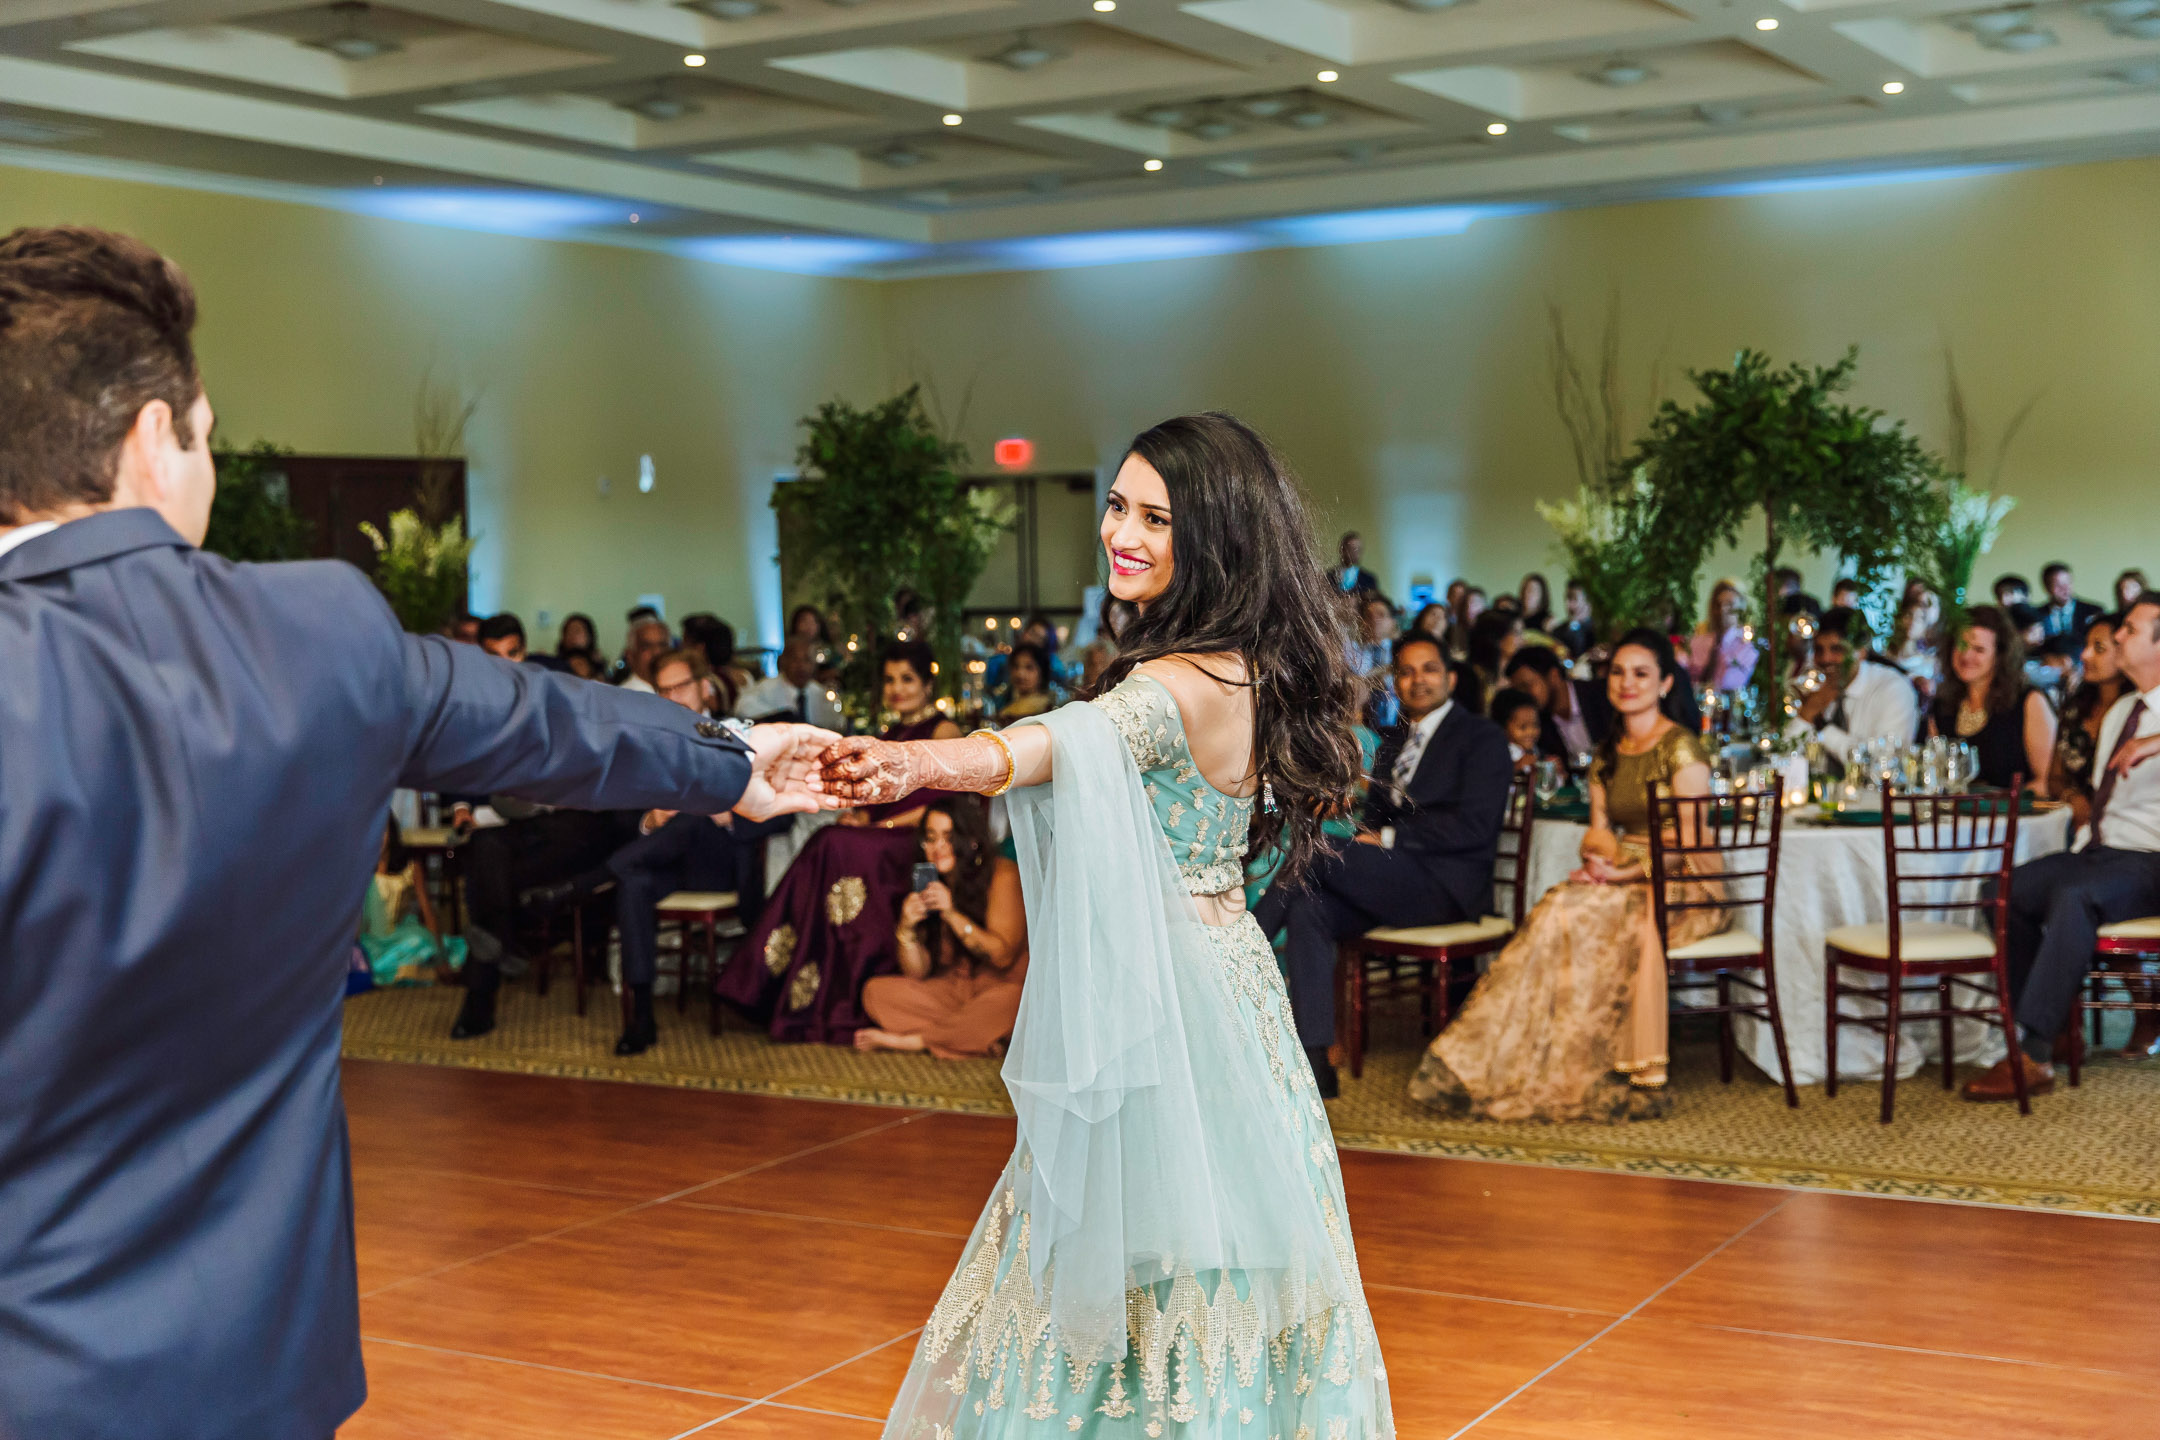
[(862, 770)]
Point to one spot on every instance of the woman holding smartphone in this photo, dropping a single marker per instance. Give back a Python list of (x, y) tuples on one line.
[(962, 943)]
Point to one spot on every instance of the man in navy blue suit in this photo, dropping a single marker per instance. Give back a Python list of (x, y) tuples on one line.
[(1425, 850), (196, 759)]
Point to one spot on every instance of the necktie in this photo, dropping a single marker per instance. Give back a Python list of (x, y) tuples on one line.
[(1406, 764), (2108, 776)]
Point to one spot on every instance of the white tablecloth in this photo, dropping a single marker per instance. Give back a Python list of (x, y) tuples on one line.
[(1828, 876)]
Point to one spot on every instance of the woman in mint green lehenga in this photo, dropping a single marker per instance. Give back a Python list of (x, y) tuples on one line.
[(1167, 1253)]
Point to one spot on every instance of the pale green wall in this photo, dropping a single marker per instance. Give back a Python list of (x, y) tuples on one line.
[(1407, 379), (317, 326)]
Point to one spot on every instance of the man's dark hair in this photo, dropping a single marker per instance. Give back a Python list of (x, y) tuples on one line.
[(2049, 571), (1786, 576), (502, 627), (2012, 580), (1847, 624), (1536, 657), (1418, 637), (640, 612), (93, 326)]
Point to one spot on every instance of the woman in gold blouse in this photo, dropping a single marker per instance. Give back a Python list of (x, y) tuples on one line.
[(1569, 1021)]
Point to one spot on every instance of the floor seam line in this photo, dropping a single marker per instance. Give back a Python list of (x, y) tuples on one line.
[(1917, 1350), (1491, 1299), (700, 1429), (842, 1365), (561, 1231), (820, 1219), (1727, 1243), (553, 1369)]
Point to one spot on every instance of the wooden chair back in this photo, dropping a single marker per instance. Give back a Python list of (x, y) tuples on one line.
[(1743, 832), (1981, 822), (1511, 864)]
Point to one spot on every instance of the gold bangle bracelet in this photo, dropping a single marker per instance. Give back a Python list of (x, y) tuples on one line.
[(1010, 768)]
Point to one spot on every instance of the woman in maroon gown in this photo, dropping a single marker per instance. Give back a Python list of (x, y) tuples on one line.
[(829, 926)]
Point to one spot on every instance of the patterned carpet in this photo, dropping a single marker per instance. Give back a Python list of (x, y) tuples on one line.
[(2096, 1148)]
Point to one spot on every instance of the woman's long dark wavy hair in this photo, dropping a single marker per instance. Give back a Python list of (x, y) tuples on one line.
[(975, 861), (1244, 580), (2006, 687), (1643, 637)]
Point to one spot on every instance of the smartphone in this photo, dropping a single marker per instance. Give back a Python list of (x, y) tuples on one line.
[(925, 876)]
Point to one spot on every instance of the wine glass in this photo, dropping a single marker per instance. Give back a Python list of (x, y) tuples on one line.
[(1546, 779)]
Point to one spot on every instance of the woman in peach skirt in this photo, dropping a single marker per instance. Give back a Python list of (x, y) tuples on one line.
[(962, 943)]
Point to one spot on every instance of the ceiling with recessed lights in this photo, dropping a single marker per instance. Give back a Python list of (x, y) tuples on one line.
[(927, 122)]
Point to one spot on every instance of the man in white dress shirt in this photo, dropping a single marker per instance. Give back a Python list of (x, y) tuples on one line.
[(1867, 698), (794, 691), (2059, 902)]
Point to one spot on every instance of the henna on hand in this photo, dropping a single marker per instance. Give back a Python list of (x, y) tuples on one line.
[(861, 770)]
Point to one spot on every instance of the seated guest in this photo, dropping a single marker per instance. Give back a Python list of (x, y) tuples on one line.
[(1573, 715), (1467, 613), (1517, 714), (1424, 855), (1376, 634), (1569, 1021), (1791, 599), (2064, 618), (503, 635), (398, 931), (2059, 902), (465, 629), (1722, 654), (1577, 632), (1986, 702), (584, 664), (713, 641), (2070, 774), (1846, 595), (675, 851), (1495, 637), (1862, 697), (1916, 637), (2128, 586), (1534, 599), (827, 927), (808, 623), (795, 693), (1433, 621), (962, 943), (2011, 590), (1351, 577), (577, 633), (648, 641), (1027, 680)]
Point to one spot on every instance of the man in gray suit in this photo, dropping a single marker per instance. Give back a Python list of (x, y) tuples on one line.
[(196, 760)]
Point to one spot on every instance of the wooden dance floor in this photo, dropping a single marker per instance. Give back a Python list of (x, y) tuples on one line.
[(547, 1258)]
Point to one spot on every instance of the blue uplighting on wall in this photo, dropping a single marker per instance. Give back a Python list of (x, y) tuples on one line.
[(802, 254), (544, 214), (1790, 184)]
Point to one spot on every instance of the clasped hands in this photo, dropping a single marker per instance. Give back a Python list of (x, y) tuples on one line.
[(800, 768)]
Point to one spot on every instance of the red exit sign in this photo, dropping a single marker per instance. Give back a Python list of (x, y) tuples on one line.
[(1013, 452)]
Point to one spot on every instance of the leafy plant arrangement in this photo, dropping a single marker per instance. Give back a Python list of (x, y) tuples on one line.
[(440, 414), (1822, 474), (421, 569), (1972, 518), (881, 508), (251, 516)]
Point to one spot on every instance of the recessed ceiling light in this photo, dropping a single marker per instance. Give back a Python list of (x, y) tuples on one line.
[(1893, 87), (352, 40), (952, 119), (1327, 77), (1496, 128), (899, 157), (1768, 22), (1722, 113), (633, 217), (1620, 73), (1312, 117), (693, 61), (1025, 54), (1264, 107), (1151, 165), (1427, 7), (1214, 127), (1168, 117), (1104, 7)]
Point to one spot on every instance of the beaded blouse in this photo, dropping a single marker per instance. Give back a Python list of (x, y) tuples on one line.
[(1206, 828)]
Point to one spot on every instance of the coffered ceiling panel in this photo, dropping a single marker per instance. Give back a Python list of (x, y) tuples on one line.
[(929, 122)]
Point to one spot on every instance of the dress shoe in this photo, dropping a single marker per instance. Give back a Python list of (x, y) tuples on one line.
[(640, 1033), (1323, 1072), (1996, 1083), (475, 1017)]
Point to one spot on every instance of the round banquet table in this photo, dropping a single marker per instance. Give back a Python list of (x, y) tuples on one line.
[(1829, 875)]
